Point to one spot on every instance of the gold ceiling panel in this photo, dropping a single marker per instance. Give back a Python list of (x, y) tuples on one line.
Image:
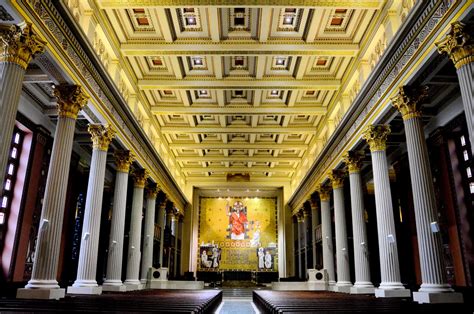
[(235, 86)]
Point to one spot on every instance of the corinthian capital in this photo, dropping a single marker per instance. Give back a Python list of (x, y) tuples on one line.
[(458, 44), (18, 44), (139, 177), (101, 135), (123, 160), (376, 136), (337, 178), (408, 101), (324, 193), (152, 191), (71, 100), (353, 160)]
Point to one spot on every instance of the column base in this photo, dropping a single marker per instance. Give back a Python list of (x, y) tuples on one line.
[(84, 290), (343, 289), (111, 288), (392, 293), (438, 297), (134, 286), (332, 286), (46, 294), (362, 290)]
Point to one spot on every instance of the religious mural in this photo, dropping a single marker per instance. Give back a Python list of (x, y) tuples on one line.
[(238, 233)]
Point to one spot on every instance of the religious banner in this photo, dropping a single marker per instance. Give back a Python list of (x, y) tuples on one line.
[(241, 230)]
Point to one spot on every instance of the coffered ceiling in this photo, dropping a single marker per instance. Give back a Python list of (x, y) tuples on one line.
[(228, 91)]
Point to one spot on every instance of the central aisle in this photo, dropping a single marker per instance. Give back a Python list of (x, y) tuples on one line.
[(237, 301)]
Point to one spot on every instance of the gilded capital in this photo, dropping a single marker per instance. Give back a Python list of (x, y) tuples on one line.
[(324, 193), (458, 44), (123, 160), (71, 100), (18, 44), (139, 177), (300, 217), (306, 213), (313, 203), (408, 101), (337, 178), (353, 160), (152, 191), (101, 136), (376, 136)]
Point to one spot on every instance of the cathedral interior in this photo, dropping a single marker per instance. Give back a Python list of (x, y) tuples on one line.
[(301, 151)]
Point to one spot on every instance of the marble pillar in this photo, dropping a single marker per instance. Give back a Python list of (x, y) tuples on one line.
[(87, 268), (363, 283), (459, 45), (113, 281), (133, 262), (343, 283), (149, 230), (162, 223), (43, 284), (314, 224), (434, 287), (391, 286), (305, 239), (326, 232), (18, 45), (300, 221)]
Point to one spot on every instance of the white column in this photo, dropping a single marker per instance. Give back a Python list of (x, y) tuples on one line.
[(434, 287), (133, 262), (459, 45), (326, 232), (314, 224), (174, 232), (18, 45), (391, 286), (147, 256), (362, 283), (344, 283), (87, 268), (300, 221), (113, 282), (305, 240), (43, 284), (162, 223)]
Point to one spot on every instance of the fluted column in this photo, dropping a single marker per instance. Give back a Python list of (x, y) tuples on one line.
[(459, 45), (362, 284), (314, 224), (300, 221), (86, 272), (18, 45), (391, 286), (113, 282), (434, 287), (326, 232), (162, 223), (305, 240), (147, 256), (178, 221), (43, 284), (344, 283), (134, 254)]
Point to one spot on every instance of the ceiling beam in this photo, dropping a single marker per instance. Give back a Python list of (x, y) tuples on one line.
[(262, 110), (237, 158), (269, 48), (253, 84), (232, 145), (238, 129), (349, 4), (237, 169)]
